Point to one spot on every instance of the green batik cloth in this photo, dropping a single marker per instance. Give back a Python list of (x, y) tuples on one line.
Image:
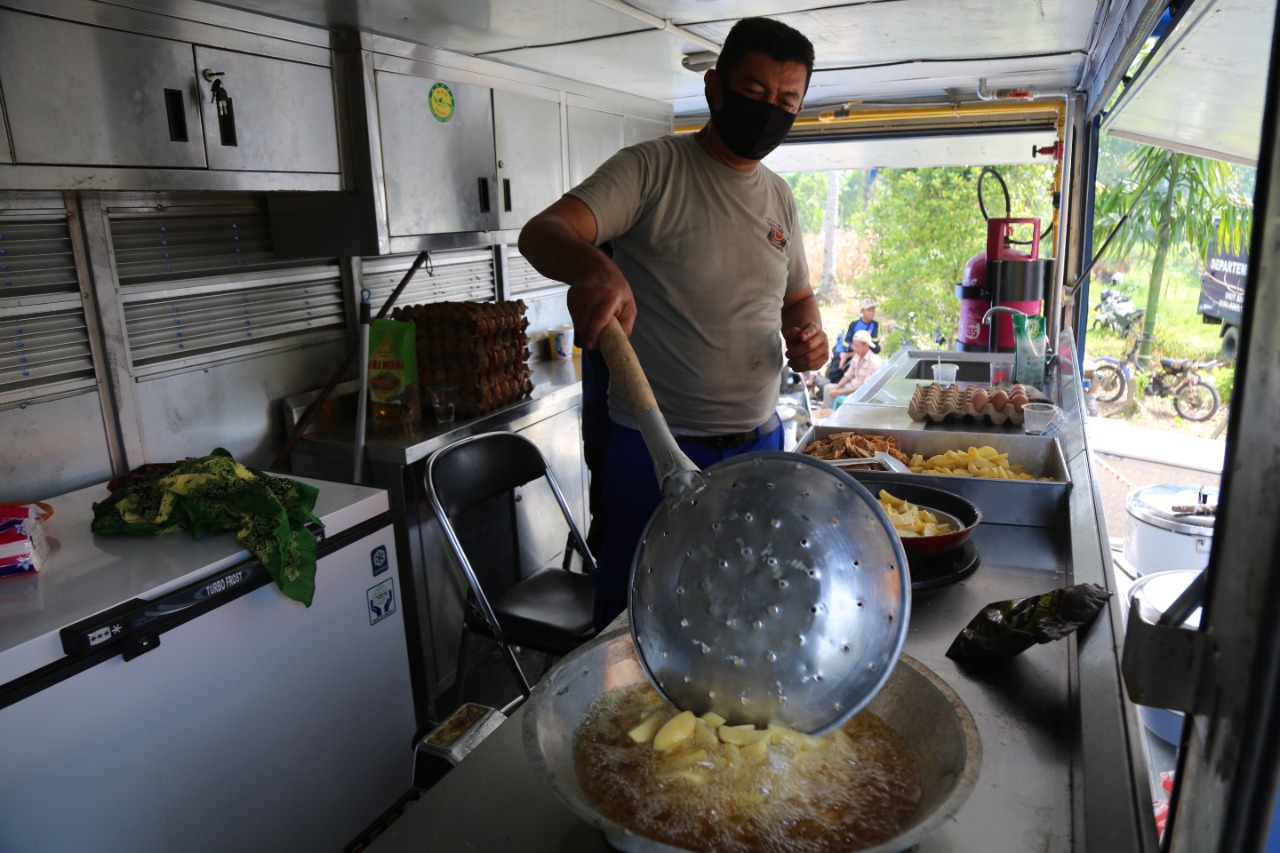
[(214, 494)]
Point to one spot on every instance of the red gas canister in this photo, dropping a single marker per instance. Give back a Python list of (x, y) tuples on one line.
[(1005, 276)]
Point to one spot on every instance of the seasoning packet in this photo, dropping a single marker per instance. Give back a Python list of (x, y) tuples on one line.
[(393, 379), (1007, 628)]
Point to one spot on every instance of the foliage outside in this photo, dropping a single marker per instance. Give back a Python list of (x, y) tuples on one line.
[(905, 235)]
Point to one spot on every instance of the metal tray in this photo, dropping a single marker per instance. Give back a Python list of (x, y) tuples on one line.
[(1032, 503)]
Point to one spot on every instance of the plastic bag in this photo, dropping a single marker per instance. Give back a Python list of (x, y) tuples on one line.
[(1030, 346), (1007, 628)]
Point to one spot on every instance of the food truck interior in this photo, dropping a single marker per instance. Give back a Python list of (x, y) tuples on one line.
[(196, 197)]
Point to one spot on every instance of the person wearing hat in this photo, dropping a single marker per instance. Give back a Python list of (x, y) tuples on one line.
[(843, 351), (863, 362)]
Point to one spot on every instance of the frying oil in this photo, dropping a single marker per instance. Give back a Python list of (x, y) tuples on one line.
[(857, 788)]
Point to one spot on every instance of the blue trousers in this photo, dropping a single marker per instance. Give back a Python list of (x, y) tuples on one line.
[(631, 494)]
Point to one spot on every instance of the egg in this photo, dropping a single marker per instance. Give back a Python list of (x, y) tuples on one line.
[(999, 400), (1017, 399), (1018, 389), (979, 398)]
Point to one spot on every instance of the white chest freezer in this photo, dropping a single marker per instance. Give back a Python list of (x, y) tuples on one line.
[(204, 710)]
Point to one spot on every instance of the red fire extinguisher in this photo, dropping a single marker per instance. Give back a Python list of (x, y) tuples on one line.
[(1002, 275)]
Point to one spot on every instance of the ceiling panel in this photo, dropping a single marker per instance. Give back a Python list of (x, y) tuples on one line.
[(463, 26), (1203, 92), (914, 152)]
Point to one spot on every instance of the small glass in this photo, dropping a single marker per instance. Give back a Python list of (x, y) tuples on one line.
[(1036, 417), (1001, 373), (945, 374), (442, 402)]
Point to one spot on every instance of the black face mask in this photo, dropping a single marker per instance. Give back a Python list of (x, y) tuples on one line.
[(750, 128)]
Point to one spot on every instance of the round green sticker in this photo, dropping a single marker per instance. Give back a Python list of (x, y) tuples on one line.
[(441, 102)]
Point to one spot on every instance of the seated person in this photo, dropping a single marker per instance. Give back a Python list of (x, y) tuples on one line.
[(843, 349), (861, 365)]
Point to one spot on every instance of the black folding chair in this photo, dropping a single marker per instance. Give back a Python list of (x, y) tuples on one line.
[(549, 610)]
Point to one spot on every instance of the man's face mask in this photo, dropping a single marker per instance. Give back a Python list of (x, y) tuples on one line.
[(750, 128)]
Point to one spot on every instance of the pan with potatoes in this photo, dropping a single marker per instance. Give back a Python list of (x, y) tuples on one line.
[(1012, 478), (929, 521)]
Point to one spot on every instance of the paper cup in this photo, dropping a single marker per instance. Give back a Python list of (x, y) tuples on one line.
[(561, 341)]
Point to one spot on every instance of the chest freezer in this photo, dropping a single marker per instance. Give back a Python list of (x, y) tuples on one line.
[(160, 693)]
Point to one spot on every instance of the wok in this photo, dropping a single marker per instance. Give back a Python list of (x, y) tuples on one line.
[(935, 725)]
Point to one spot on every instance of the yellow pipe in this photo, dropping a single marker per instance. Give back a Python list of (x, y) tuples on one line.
[(880, 115)]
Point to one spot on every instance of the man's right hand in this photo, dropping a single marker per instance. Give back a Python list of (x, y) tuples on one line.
[(560, 243), (602, 295)]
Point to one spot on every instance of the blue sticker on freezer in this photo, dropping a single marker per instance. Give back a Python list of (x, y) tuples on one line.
[(382, 601), (380, 560)]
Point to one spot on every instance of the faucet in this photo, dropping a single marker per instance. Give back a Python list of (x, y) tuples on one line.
[(999, 309), (992, 335)]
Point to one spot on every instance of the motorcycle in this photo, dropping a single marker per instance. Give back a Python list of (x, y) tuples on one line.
[(1193, 398), (1116, 311)]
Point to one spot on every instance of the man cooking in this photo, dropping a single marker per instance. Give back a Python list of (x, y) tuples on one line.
[(862, 364), (708, 279)]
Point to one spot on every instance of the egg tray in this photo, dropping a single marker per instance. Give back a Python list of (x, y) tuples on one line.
[(937, 403)]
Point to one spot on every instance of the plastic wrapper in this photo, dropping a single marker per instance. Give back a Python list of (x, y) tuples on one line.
[(1004, 629)]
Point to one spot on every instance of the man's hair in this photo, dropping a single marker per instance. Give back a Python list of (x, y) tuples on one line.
[(772, 38)]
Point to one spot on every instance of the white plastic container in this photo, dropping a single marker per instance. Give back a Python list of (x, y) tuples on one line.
[(1158, 539)]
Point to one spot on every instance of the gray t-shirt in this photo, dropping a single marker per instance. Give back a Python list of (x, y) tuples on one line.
[(709, 252)]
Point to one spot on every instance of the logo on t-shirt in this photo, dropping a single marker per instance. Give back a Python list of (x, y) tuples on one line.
[(777, 237)]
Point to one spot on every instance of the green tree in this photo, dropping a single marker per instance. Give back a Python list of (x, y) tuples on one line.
[(1186, 195), (924, 225)]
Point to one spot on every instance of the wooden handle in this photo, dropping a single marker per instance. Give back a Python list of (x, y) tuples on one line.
[(625, 369)]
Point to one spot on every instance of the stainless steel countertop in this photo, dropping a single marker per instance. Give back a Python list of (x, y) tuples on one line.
[(557, 383)]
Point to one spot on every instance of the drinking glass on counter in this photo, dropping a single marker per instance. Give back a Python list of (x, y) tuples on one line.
[(1001, 373), (442, 402), (945, 374)]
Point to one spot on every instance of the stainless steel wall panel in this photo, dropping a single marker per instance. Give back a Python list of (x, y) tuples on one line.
[(440, 175), (234, 404), (285, 118), (83, 95), (527, 139), (55, 445)]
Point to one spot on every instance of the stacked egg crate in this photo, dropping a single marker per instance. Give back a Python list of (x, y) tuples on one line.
[(480, 348)]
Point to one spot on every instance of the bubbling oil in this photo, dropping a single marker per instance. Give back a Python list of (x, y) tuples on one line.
[(857, 788)]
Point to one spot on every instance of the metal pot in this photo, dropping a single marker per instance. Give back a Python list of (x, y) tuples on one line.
[(1160, 536), (936, 726)]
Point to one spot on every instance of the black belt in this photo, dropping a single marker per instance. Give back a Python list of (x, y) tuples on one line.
[(730, 440)]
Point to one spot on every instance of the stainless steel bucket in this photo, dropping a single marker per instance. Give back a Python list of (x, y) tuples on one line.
[(935, 725)]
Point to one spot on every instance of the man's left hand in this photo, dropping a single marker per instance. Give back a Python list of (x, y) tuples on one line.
[(806, 346)]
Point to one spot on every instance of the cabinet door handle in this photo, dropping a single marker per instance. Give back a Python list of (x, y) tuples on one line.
[(484, 195), (176, 111), (506, 194)]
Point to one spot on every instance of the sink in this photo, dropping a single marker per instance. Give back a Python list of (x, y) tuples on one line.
[(970, 370)]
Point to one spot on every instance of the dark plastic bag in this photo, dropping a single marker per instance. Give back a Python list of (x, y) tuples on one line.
[(1004, 629)]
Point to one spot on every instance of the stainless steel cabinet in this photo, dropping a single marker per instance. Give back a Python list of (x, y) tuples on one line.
[(526, 132), (594, 137), (81, 95), (438, 159), (283, 113), (97, 104)]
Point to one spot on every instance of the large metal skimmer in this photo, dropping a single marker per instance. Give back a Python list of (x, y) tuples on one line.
[(769, 588)]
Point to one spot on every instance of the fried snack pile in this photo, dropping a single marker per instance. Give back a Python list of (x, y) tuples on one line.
[(983, 461), (852, 445), (910, 520)]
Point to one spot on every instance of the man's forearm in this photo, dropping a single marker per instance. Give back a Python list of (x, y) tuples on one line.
[(557, 251)]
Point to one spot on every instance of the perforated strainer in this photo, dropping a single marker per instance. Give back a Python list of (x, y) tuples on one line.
[(770, 588)]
